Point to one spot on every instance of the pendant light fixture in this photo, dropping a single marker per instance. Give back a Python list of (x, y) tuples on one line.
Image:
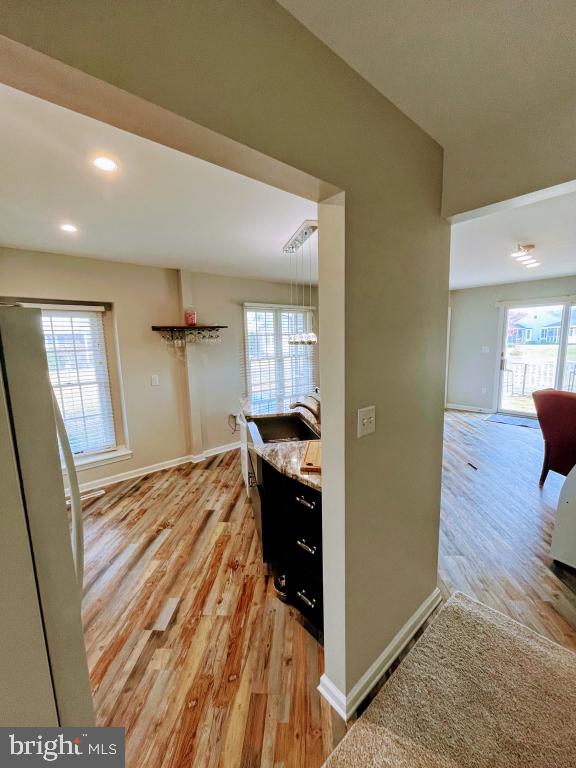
[(300, 269)]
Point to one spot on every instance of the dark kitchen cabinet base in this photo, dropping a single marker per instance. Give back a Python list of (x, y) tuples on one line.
[(292, 542)]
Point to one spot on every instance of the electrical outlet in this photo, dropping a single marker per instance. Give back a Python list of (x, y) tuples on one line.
[(483, 390), (155, 380), (366, 420)]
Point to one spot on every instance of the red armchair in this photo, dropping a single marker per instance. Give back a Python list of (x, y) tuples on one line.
[(556, 412)]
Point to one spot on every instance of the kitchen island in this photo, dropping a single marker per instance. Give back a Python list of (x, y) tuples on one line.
[(287, 502)]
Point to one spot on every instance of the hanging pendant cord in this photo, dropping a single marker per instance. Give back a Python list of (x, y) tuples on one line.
[(291, 280)]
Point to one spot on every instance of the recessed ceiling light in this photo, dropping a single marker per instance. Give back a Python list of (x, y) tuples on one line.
[(68, 228), (105, 164), (534, 264)]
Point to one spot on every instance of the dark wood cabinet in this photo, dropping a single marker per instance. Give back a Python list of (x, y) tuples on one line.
[(292, 540)]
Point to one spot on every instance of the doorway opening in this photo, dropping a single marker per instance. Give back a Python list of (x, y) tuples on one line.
[(512, 333), (202, 575)]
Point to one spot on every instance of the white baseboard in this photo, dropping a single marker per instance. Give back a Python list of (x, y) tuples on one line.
[(219, 449), (346, 704), (333, 696), (141, 471), (472, 408)]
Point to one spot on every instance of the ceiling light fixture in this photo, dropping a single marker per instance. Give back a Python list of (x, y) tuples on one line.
[(523, 258), (68, 228), (534, 264), (529, 263), (105, 164), (522, 250)]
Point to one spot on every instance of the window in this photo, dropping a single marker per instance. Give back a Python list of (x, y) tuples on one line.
[(275, 368), (519, 335), (549, 335), (78, 368)]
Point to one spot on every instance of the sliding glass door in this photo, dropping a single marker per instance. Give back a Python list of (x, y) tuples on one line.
[(569, 379), (538, 352)]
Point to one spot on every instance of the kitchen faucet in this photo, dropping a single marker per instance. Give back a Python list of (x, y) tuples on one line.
[(314, 411)]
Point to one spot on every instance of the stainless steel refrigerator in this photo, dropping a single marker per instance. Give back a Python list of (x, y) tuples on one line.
[(43, 670)]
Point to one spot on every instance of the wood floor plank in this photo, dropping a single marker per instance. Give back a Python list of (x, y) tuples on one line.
[(254, 732), (190, 650)]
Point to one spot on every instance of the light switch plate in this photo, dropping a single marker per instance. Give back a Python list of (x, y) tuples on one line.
[(485, 350), (366, 420), (154, 380)]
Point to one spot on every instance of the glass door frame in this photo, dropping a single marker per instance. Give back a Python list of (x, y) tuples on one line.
[(567, 303)]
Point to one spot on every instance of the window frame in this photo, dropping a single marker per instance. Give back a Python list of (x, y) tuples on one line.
[(279, 359), (122, 450)]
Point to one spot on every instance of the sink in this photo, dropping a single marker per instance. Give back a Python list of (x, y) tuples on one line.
[(280, 429)]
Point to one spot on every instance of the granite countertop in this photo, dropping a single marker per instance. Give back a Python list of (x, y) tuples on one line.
[(287, 458)]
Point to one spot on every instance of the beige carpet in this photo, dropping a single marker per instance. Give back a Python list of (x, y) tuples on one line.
[(478, 690)]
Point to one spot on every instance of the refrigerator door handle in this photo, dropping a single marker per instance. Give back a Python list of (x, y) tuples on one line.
[(75, 501)]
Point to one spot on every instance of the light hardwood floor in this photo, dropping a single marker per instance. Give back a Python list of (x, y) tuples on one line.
[(496, 525), (189, 649)]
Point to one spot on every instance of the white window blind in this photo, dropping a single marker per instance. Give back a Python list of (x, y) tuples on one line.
[(78, 369), (275, 368)]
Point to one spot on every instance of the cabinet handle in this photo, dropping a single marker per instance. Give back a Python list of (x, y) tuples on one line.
[(252, 479), (306, 547), (309, 603), (305, 503)]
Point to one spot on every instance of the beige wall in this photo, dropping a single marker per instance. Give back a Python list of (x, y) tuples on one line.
[(251, 72), (142, 296), (157, 417), (516, 158), (217, 372), (475, 324)]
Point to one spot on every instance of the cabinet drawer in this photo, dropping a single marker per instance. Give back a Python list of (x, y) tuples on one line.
[(304, 516), (306, 553), (306, 595), (304, 500)]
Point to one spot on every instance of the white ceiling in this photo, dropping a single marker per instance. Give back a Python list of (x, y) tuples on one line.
[(454, 67), (480, 249), (457, 69), (165, 208), (162, 208)]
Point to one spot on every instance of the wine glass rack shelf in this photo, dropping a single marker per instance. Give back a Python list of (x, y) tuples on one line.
[(180, 335)]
